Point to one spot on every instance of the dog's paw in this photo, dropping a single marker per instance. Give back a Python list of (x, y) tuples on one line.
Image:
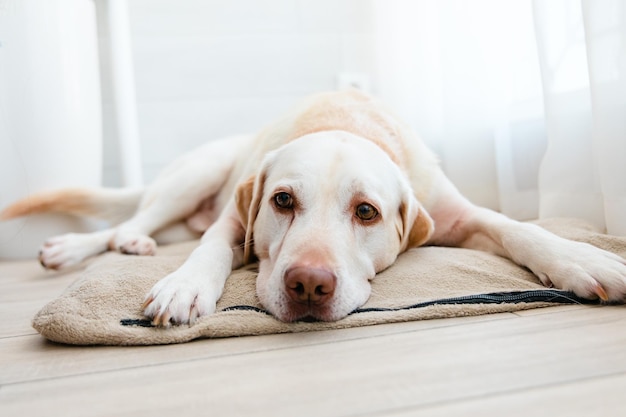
[(179, 298), (586, 270), (135, 244), (66, 250)]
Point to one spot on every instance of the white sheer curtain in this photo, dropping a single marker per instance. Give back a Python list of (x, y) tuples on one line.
[(525, 101)]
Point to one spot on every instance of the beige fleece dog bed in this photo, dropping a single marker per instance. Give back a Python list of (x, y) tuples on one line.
[(103, 306)]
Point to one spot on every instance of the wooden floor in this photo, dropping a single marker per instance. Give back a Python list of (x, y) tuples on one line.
[(560, 361)]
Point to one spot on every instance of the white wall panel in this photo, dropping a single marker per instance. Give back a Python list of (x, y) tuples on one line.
[(205, 69)]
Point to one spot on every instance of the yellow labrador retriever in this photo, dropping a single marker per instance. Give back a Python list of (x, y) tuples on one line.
[(324, 199)]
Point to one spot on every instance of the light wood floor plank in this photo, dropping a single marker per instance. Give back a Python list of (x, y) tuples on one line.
[(567, 360), (17, 316), (32, 357), (27, 281), (378, 374), (25, 287), (596, 397)]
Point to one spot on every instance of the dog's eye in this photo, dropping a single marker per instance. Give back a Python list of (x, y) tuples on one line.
[(366, 212), (283, 200)]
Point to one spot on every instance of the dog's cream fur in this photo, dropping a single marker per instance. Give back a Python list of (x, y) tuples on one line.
[(325, 199)]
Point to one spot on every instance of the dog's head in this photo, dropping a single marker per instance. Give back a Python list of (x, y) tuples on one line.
[(325, 213)]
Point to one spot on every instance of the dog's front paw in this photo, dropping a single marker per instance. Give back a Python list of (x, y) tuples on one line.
[(586, 270), (179, 298)]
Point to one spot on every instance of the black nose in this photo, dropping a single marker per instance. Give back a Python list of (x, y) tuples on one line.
[(310, 285)]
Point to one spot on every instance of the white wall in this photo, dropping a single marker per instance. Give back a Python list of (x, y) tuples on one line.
[(205, 69)]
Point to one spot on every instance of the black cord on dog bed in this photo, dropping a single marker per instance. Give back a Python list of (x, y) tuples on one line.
[(514, 297)]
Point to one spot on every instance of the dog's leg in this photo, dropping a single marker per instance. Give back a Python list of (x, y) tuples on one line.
[(129, 237), (193, 289), (159, 209), (177, 193), (72, 248), (164, 203), (586, 270)]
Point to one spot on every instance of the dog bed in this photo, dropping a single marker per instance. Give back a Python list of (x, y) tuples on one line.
[(103, 306)]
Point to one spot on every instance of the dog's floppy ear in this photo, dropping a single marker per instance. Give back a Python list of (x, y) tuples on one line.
[(243, 199), (248, 200), (416, 224)]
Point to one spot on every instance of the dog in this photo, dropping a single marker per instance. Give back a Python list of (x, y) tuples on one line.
[(323, 199)]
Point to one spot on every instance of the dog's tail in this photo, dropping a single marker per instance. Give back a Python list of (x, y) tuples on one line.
[(111, 204)]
